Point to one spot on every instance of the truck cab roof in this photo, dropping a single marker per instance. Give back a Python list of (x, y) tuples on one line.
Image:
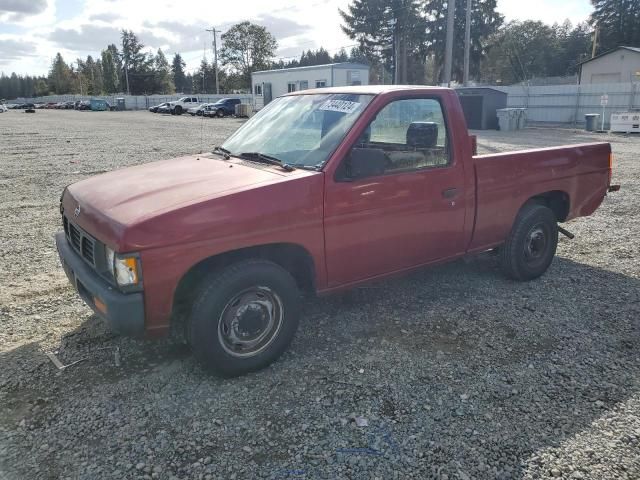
[(370, 89)]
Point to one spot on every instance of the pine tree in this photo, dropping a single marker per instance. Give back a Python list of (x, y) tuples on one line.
[(164, 83), (391, 29), (137, 64), (60, 76), (110, 72), (485, 21), (179, 78), (618, 23), (341, 56)]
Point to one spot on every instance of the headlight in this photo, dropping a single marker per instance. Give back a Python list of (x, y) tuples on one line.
[(123, 268), (126, 271)]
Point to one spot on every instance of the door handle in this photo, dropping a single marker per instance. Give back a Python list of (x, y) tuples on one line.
[(450, 192)]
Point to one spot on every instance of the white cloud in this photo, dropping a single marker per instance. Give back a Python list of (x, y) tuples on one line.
[(180, 26), (548, 11)]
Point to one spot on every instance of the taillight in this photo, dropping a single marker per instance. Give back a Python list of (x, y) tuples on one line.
[(610, 168)]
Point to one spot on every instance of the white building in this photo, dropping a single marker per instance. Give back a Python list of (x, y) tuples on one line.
[(620, 65), (269, 84)]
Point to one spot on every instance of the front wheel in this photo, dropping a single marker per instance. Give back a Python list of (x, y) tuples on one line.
[(178, 110), (244, 317), (531, 245), (220, 113)]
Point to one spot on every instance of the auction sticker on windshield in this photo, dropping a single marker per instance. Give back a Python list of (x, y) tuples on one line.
[(342, 106)]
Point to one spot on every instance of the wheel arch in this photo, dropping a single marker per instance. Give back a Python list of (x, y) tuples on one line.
[(557, 201), (294, 258)]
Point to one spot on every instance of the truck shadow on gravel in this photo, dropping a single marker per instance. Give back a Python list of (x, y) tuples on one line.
[(468, 373)]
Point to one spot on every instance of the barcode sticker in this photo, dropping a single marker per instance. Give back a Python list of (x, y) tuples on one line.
[(342, 106)]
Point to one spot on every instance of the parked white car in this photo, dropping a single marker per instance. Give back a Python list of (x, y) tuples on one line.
[(178, 107), (3, 108)]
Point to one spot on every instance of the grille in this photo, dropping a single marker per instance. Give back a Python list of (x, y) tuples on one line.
[(81, 242)]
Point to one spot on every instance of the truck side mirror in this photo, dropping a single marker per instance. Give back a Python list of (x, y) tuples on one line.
[(365, 162)]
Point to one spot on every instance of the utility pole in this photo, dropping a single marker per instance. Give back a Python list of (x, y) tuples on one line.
[(126, 76), (467, 44), (595, 42), (215, 55), (448, 49), (394, 45), (204, 61)]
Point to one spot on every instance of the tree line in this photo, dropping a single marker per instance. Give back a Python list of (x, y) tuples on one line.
[(129, 68), (402, 36), (408, 37)]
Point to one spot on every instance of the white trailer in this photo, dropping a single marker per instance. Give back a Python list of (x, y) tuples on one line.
[(269, 84)]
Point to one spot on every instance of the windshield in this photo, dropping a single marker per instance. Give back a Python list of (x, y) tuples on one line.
[(300, 130)]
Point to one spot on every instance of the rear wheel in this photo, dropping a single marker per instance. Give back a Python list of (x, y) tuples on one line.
[(531, 245), (244, 317)]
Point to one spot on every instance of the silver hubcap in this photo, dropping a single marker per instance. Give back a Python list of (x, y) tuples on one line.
[(535, 244), (250, 321)]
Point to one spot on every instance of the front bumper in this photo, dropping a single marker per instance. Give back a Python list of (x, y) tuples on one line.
[(123, 312)]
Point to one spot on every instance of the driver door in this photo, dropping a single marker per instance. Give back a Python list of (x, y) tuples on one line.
[(410, 214)]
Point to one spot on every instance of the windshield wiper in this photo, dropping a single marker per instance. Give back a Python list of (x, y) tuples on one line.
[(264, 158), (226, 154)]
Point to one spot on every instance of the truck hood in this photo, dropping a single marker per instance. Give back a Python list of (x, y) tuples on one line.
[(111, 202)]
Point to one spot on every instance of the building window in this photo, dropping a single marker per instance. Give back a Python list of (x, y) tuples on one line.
[(291, 87), (321, 83), (353, 77), (258, 90), (304, 84)]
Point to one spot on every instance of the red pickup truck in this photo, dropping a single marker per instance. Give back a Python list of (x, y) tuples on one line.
[(320, 191)]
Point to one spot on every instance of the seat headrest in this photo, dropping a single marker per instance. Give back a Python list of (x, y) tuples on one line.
[(422, 134)]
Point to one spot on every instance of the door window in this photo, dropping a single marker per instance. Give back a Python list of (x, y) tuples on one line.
[(412, 133)]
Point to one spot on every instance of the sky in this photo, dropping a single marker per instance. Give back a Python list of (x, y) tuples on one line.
[(32, 31)]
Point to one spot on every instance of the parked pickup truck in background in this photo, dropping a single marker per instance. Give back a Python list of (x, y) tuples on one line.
[(223, 107), (178, 107), (319, 192)]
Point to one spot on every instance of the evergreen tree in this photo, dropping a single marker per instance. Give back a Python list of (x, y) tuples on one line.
[(164, 82), (341, 56), (110, 72), (179, 77), (618, 23), (91, 73), (137, 64), (60, 76), (393, 30), (485, 22), (41, 88)]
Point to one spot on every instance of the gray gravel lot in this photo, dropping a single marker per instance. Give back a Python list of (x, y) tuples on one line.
[(454, 372)]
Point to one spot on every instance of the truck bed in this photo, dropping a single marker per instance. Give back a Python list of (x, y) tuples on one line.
[(579, 172)]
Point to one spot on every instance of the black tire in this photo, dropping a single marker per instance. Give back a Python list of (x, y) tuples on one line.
[(220, 113), (531, 245), (178, 110), (211, 323)]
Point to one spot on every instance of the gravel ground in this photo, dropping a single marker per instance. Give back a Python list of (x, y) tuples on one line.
[(454, 372)]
